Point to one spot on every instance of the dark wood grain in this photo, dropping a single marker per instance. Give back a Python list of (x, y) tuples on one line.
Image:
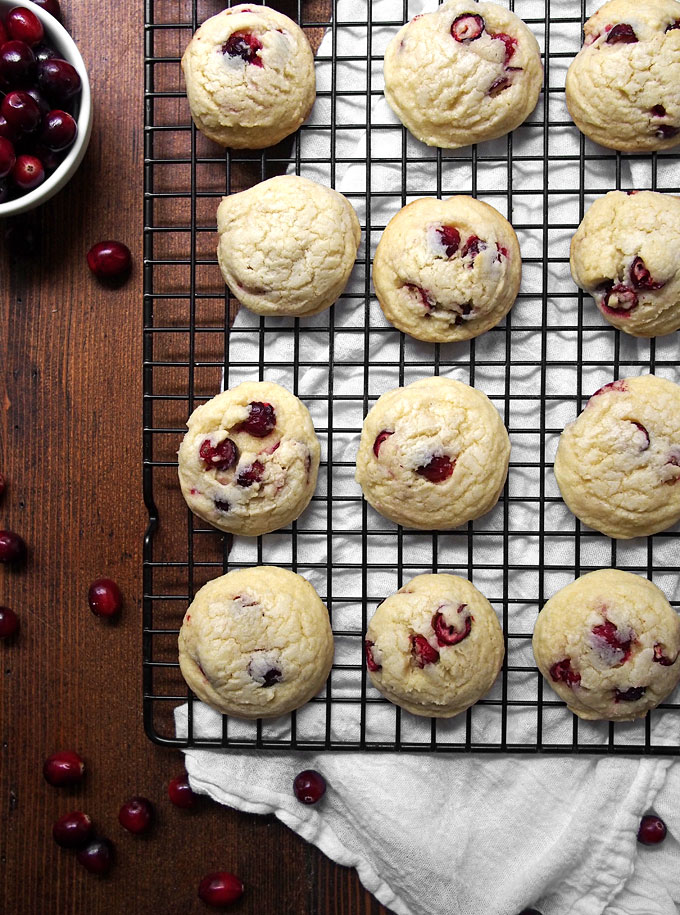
[(70, 445)]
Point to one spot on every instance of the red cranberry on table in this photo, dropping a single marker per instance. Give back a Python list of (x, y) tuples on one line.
[(72, 830), (104, 597), (180, 793), (97, 857), (59, 130), (220, 889), (12, 547), (64, 768), (136, 815), (58, 79), (50, 6), (17, 64), (109, 260), (24, 25), (9, 622), (7, 157), (28, 172), (652, 830), (309, 786)]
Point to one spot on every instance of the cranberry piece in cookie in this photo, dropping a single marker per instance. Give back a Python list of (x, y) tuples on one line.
[(218, 457), (261, 420), (472, 247), (371, 663), (644, 437), (450, 239), (509, 42), (561, 672), (619, 299), (619, 385), (244, 45), (666, 131), (380, 438), (425, 298), (437, 469), (661, 658), (499, 85), (250, 475), (264, 669), (622, 34), (629, 695), (640, 276), (446, 633), (423, 653), (467, 27), (658, 111), (612, 645)]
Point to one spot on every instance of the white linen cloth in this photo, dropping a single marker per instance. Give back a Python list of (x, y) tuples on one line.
[(455, 834)]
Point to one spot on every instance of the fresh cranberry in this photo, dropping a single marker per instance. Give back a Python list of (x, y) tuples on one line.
[(619, 299), (40, 102), (666, 131), (250, 475), (652, 830), (370, 662), (4, 37), (50, 6), (472, 247), (7, 157), (44, 52), (220, 889), (450, 239), (561, 672), (509, 42), (619, 385), (438, 469), (261, 420), (498, 86), (7, 131), (136, 815), (467, 27), (5, 188), (658, 111), (218, 457), (72, 830), (244, 45), (59, 130), (640, 276), (12, 547), (447, 634), (9, 622), (622, 34), (50, 159), (17, 64), (23, 25), (97, 857), (21, 111), (58, 79), (180, 793), (629, 695), (309, 786), (661, 658), (222, 506), (109, 260), (422, 651), (380, 438), (28, 172), (104, 597), (64, 768)]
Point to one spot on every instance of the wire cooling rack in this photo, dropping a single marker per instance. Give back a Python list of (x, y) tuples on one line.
[(538, 367)]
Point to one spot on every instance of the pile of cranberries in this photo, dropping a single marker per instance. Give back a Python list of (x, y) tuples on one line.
[(38, 88)]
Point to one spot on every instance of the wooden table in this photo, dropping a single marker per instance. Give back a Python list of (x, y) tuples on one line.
[(70, 446)]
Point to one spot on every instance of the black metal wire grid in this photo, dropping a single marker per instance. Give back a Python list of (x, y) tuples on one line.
[(538, 367)]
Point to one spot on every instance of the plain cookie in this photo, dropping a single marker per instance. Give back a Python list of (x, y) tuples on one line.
[(623, 87), (626, 254), (250, 77), (618, 464), (248, 463), (256, 643), (465, 73), (447, 270), (287, 246), (435, 647), (433, 455), (608, 644)]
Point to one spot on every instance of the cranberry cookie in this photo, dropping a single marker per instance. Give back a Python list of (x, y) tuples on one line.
[(618, 465), (626, 254), (433, 455), (287, 246), (256, 643), (623, 87), (248, 463), (608, 644), (447, 270), (465, 73), (250, 77), (435, 647)]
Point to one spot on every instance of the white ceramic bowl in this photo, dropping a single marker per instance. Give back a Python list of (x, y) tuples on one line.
[(57, 37)]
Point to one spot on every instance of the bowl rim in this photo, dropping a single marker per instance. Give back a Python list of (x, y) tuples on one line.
[(57, 34)]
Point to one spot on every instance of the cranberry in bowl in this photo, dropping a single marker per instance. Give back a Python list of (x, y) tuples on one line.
[(42, 78)]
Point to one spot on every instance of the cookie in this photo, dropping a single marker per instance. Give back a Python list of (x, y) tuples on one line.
[(623, 87), (465, 73), (433, 455), (287, 246), (435, 647), (447, 270), (256, 643), (608, 644), (626, 254), (618, 464), (250, 77), (248, 463)]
